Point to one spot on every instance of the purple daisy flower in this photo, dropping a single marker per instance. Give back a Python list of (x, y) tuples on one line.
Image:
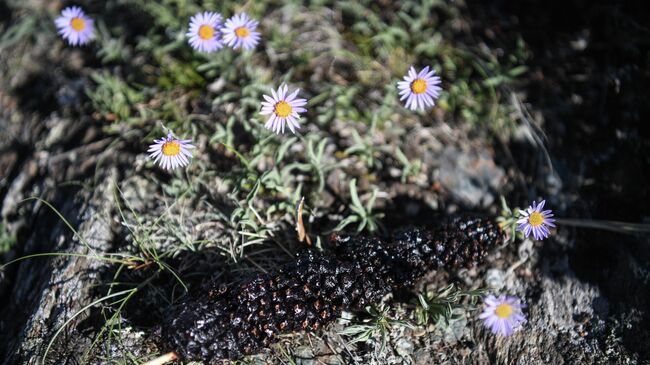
[(536, 221), (204, 35), (283, 108), (239, 31), (74, 26), (419, 89), (502, 315), (171, 152)]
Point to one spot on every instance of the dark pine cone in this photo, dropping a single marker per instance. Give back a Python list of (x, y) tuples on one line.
[(311, 291)]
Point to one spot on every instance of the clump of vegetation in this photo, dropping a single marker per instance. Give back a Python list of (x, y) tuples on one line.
[(339, 94)]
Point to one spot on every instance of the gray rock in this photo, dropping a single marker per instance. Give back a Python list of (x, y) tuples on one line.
[(471, 176)]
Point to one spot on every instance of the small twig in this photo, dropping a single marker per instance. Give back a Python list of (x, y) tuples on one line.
[(162, 360), (621, 227)]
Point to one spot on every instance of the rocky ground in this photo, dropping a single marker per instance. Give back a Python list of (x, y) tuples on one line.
[(541, 100)]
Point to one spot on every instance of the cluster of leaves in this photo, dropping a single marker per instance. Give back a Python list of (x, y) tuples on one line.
[(362, 214), (378, 325), (508, 221), (439, 308)]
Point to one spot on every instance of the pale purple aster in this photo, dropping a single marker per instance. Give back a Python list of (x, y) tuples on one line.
[(502, 315), (74, 26), (284, 109), (170, 152), (536, 220), (419, 89), (239, 31), (204, 34)]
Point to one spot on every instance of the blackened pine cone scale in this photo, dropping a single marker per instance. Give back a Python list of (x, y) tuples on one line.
[(311, 291)]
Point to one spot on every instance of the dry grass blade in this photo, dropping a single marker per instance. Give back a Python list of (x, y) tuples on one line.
[(300, 225)]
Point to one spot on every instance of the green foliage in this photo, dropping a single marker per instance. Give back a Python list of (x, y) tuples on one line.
[(364, 147), (363, 215), (110, 49), (409, 168), (175, 73), (481, 81), (474, 79), (442, 306), (378, 325), (25, 27), (316, 164), (508, 221), (113, 98)]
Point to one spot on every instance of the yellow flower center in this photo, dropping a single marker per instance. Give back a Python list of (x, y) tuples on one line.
[(206, 32), (419, 86), (535, 219), (171, 148), (283, 109), (78, 24), (242, 32), (503, 311)]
